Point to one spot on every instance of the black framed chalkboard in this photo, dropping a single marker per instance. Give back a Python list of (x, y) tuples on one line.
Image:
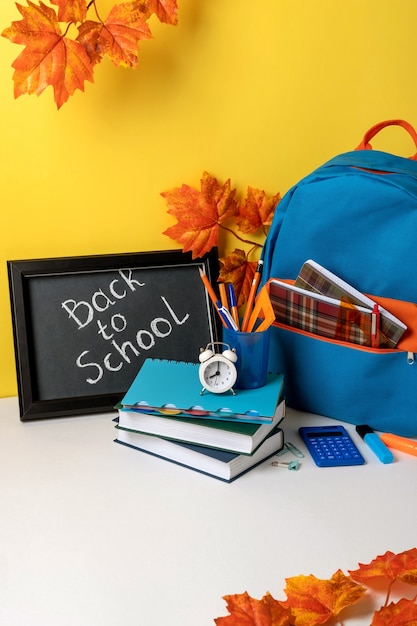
[(83, 326)]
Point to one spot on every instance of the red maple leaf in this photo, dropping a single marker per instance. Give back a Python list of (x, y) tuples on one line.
[(49, 58), (257, 210), (401, 613), (246, 611), (74, 11), (314, 601), (118, 36), (236, 269), (392, 566)]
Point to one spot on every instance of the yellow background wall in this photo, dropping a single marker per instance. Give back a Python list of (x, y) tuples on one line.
[(260, 92)]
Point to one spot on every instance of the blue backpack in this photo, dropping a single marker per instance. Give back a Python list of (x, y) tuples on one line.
[(357, 216)]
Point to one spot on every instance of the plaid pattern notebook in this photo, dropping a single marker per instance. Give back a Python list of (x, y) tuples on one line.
[(313, 277), (323, 316)]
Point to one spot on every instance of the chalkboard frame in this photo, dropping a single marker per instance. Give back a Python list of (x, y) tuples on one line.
[(20, 273)]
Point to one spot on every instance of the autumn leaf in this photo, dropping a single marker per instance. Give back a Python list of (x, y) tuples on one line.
[(74, 11), (165, 10), (401, 566), (118, 36), (222, 196), (196, 229), (199, 213), (401, 613), (246, 611), (236, 269), (314, 601), (257, 210), (49, 58)]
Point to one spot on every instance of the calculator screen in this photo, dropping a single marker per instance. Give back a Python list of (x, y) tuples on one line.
[(335, 433)]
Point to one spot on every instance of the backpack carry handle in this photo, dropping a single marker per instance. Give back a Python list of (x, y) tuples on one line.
[(365, 143)]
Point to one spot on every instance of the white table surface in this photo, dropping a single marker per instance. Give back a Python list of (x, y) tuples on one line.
[(96, 534)]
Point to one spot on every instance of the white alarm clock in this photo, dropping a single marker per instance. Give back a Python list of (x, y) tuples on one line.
[(217, 370)]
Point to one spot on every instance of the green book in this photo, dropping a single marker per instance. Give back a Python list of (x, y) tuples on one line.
[(242, 437)]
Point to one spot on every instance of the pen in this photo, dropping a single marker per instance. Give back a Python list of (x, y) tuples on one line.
[(377, 446), (224, 313), (251, 298), (400, 443), (233, 303), (375, 326)]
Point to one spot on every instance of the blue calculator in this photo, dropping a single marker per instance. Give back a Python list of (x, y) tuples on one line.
[(330, 446)]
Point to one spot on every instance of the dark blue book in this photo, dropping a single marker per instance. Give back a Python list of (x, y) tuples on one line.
[(226, 466)]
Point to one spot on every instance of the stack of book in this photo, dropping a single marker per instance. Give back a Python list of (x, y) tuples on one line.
[(165, 414)]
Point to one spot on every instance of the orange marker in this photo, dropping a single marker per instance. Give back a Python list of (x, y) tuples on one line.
[(399, 443)]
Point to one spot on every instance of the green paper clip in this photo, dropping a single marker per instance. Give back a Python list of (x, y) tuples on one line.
[(290, 447)]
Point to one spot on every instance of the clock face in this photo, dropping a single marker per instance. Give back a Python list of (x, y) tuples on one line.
[(218, 375)]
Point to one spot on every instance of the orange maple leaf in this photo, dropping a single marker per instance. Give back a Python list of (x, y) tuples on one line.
[(199, 213), (401, 566), (165, 10), (197, 228), (118, 36), (49, 58), (401, 613), (314, 601), (222, 196), (236, 269), (257, 210), (74, 11), (246, 611)]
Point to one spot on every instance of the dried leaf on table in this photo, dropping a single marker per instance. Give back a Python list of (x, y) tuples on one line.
[(314, 601), (246, 611), (392, 566), (401, 613)]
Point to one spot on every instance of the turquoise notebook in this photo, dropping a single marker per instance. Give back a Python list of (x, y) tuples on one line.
[(174, 386)]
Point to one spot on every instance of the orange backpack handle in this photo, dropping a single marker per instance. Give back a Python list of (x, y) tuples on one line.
[(370, 134)]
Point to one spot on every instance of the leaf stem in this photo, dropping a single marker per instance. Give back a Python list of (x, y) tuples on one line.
[(248, 241), (64, 34), (93, 2), (389, 591)]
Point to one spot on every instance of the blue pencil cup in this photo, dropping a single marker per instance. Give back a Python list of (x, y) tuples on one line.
[(252, 351)]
